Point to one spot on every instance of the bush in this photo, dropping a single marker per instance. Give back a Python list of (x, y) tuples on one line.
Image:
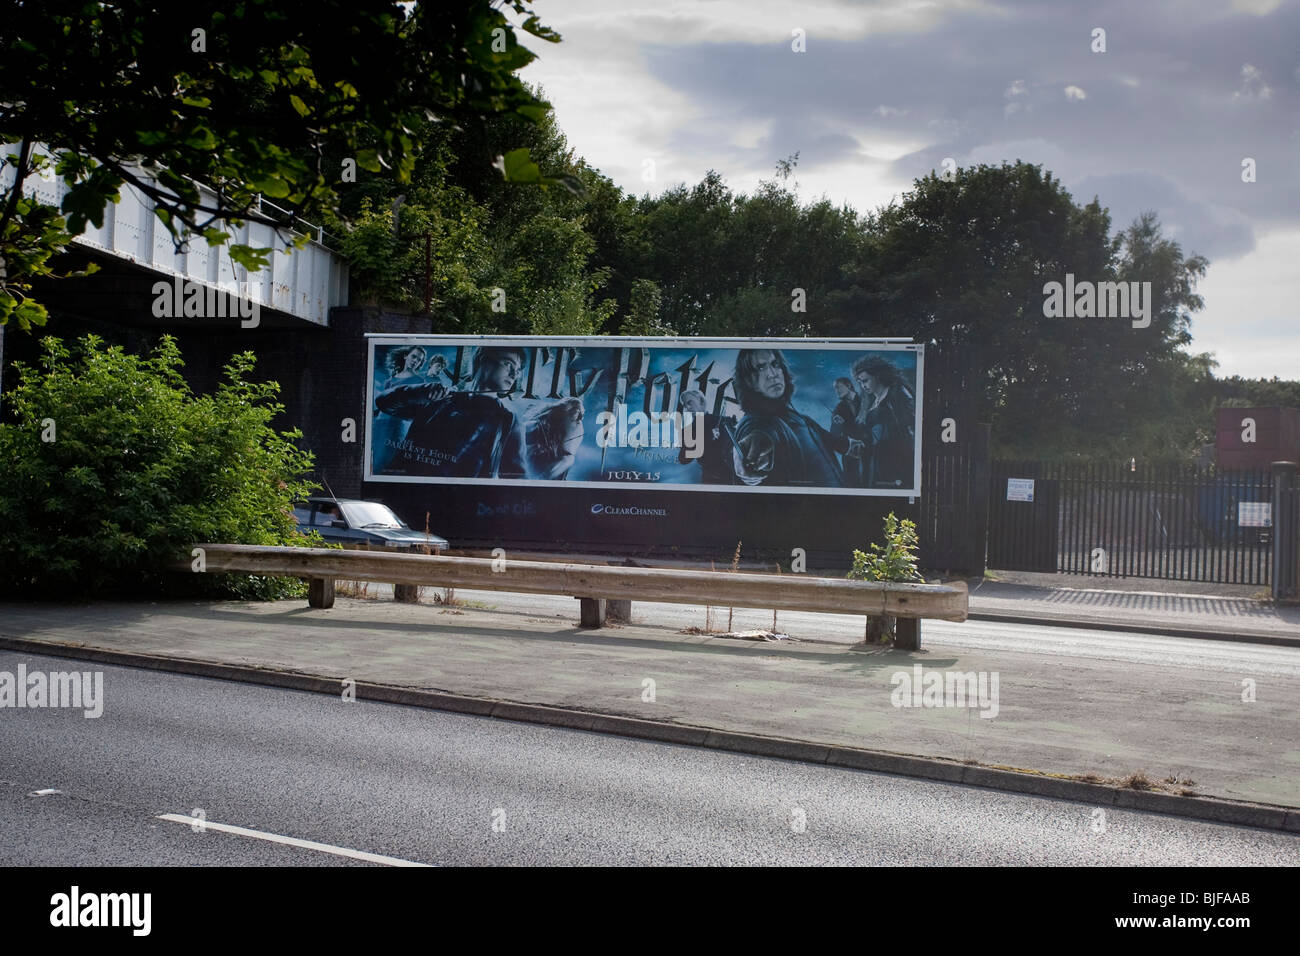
[(896, 561), (113, 469)]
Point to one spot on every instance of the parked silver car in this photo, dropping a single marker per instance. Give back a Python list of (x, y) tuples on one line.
[(356, 524)]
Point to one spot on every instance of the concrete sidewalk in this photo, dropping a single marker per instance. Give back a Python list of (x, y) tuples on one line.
[(1211, 616), (1208, 610), (1058, 715)]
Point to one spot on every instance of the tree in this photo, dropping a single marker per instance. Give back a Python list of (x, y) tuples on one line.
[(736, 264), (961, 265), (114, 470), (1239, 392), (643, 311), (506, 259), (387, 259), (259, 98)]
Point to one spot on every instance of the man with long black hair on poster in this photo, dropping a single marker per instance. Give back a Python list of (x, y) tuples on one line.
[(776, 445), (469, 433)]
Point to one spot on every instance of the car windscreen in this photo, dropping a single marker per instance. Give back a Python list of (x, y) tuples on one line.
[(361, 514)]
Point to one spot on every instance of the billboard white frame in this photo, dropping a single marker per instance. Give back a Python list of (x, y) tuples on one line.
[(376, 339)]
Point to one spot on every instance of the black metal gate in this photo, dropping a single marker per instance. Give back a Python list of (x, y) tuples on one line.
[(1024, 509), (1177, 522), (952, 517)]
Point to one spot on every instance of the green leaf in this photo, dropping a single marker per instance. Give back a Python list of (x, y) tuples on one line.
[(24, 315), (201, 138), (517, 167), (249, 257), (275, 188), (296, 102), (540, 30)]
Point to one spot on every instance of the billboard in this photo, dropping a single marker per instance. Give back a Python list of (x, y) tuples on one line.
[(736, 416)]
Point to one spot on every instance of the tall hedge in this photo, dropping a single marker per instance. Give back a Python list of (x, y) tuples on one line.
[(112, 468)]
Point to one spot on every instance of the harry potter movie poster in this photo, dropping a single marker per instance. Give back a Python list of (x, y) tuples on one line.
[(781, 416)]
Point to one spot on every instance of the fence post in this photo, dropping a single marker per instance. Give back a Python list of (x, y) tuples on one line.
[(981, 482), (1286, 532)]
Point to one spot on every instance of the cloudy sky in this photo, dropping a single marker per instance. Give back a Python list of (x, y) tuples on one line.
[(885, 91)]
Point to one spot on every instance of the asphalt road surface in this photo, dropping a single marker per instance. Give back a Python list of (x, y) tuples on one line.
[(412, 785)]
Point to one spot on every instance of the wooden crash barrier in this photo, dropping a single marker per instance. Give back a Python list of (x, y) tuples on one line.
[(598, 586)]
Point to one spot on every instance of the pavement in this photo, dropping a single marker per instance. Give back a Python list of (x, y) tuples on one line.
[(1085, 604), (1065, 722), (1193, 609)]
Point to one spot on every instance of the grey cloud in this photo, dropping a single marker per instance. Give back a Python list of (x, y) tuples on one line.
[(1202, 228), (1173, 142)]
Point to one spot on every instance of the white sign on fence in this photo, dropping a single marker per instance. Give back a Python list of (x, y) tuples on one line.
[(1020, 489), (1254, 514)]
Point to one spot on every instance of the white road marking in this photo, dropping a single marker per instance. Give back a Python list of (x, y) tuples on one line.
[(290, 841)]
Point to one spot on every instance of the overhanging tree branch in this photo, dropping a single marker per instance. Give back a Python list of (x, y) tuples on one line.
[(16, 191)]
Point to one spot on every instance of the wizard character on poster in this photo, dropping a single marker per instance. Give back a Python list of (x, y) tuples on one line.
[(478, 431)]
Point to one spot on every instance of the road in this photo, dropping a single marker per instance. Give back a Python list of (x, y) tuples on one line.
[(443, 789)]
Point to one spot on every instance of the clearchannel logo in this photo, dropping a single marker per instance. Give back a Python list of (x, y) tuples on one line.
[(628, 511)]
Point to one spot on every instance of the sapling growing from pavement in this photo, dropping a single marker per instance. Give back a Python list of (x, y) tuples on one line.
[(894, 561)]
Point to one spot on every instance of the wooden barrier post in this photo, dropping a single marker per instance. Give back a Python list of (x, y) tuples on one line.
[(592, 612), (320, 592), (907, 633)]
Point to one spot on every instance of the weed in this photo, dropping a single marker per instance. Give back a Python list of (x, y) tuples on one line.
[(778, 574), (353, 589), (735, 566), (1137, 781)]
